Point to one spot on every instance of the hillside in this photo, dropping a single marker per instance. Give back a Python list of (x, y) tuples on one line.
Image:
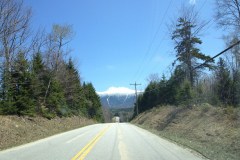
[(117, 100), (16, 130), (117, 104), (213, 132)]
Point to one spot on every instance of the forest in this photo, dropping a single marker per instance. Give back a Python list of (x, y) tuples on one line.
[(37, 74), (196, 77)]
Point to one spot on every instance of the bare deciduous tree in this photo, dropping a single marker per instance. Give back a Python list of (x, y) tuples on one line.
[(14, 27), (153, 78), (228, 13), (233, 57), (228, 17), (56, 52), (58, 41)]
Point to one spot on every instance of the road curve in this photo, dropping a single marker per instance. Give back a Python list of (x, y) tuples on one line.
[(113, 141)]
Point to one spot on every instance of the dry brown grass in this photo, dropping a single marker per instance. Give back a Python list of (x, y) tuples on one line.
[(16, 130), (212, 131)]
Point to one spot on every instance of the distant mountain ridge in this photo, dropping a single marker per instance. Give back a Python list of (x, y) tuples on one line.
[(118, 97), (117, 100), (116, 91)]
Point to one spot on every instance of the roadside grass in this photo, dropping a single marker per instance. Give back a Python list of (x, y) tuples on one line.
[(16, 130), (207, 149), (213, 132)]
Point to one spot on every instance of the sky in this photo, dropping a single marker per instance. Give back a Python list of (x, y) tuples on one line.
[(118, 42)]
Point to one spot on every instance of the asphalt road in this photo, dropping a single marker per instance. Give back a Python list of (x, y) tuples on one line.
[(115, 141)]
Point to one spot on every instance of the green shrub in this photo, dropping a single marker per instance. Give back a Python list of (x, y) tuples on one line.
[(232, 113), (205, 107), (49, 115)]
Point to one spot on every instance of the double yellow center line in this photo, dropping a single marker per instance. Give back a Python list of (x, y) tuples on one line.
[(84, 152)]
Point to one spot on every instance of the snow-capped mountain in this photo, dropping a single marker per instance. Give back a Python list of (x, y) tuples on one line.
[(117, 101), (116, 91), (117, 97)]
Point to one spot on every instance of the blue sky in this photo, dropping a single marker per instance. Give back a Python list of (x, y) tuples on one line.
[(118, 42)]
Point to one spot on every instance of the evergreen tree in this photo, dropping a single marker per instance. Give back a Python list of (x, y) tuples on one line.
[(235, 89), (55, 101), (92, 102), (187, 52), (39, 82), (7, 91), (22, 93), (223, 85), (72, 88), (162, 96), (173, 85), (150, 97), (184, 93)]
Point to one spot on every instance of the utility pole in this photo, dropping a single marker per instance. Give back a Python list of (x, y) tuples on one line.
[(135, 84)]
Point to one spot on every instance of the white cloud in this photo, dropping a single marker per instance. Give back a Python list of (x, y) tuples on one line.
[(117, 90), (192, 2)]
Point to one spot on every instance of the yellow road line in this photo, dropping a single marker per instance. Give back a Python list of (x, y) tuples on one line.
[(83, 152)]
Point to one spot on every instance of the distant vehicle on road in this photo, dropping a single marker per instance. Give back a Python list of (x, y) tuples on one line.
[(116, 119)]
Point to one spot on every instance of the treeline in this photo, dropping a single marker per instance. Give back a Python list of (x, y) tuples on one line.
[(37, 76), (196, 77)]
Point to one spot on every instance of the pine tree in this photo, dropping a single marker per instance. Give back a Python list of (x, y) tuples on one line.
[(22, 93), (72, 88), (162, 98), (184, 93), (223, 85), (55, 101), (92, 102), (235, 88), (38, 81), (187, 52), (7, 91), (173, 85)]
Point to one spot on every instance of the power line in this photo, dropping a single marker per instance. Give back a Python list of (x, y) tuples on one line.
[(135, 84), (151, 43), (155, 52), (208, 60), (203, 4), (211, 59)]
